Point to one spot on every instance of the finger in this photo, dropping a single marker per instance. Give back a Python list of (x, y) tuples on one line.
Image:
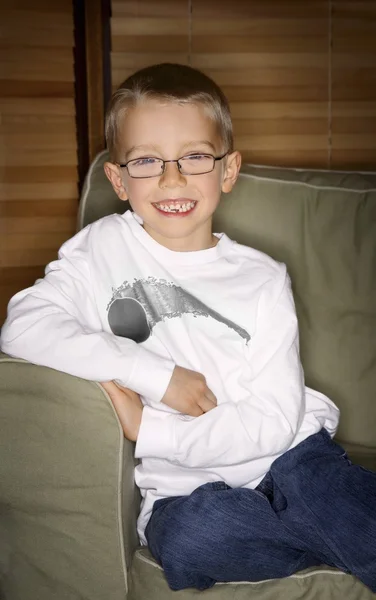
[(195, 411), (206, 404), (210, 396), (109, 386), (121, 387)]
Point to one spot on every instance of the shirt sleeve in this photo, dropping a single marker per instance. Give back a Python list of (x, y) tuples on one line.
[(55, 323), (265, 423)]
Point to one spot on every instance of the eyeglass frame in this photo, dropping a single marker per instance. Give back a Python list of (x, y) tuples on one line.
[(215, 159)]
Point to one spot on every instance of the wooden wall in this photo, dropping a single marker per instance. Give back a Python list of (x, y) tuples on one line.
[(300, 75), (38, 150)]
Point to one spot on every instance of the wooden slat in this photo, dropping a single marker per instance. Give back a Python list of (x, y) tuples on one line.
[(38, 208), (280, 127), (275, 93), (356, 141), (359, 160), (241, 44), (150, 43), (264, 28), (264, 76), (355, 126), (53, 174), (32, 126), (353, 11), (150, 26), (36, 89), (279, 110), (310, 159), (42, 140), (280, 142), (149, 8), (31, 107), (14, 279), (38, 191), (42, 157), (35, 225), (255, 9), (53, 9), (247, 60)]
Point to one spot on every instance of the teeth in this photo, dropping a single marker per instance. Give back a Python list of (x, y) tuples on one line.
[(176, 207)]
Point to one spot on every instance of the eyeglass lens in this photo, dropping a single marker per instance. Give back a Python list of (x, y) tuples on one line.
[(189, 165)]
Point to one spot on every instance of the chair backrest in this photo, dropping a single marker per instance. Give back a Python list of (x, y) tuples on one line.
[(322, 224)]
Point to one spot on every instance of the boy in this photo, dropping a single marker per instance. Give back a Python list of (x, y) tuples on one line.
[(195, 339)]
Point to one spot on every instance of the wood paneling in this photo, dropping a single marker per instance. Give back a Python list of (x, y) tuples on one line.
[(300, 76), (38, 160)]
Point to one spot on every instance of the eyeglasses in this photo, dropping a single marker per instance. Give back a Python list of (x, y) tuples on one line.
[(192, 164)]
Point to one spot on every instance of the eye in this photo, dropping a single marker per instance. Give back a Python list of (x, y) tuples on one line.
[(141, 162)]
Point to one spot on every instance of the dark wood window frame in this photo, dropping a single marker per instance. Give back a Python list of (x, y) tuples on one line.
[(92, 69)]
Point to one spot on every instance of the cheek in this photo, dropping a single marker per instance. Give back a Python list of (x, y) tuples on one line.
[(212, 188), (137, 190)]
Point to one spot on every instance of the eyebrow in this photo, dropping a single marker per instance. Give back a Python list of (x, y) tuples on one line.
[(141, 148), (148, 148), (200, 143)]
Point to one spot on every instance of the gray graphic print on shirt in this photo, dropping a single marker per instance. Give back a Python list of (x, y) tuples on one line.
[(135, 308)]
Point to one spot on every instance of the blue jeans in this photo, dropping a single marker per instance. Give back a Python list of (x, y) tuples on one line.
[(313, 507)]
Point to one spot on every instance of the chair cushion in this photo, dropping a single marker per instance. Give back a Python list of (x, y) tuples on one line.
[(146, 580), (323, 226)]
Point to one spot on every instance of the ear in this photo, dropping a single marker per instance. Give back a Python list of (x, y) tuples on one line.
[(233, 163), (114, 174)]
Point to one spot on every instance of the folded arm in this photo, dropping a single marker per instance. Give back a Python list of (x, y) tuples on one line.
[(263, 424)]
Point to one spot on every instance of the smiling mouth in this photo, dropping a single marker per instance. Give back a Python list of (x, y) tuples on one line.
[(176, 207)]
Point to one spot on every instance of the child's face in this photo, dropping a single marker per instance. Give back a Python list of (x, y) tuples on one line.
[(171, 131)]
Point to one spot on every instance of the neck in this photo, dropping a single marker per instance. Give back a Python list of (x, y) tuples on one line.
[(193, 243)]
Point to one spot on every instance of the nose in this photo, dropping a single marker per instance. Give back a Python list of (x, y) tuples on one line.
[(172, 178)]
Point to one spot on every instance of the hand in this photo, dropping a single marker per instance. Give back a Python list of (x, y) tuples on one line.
[(188, 393), (128, 407)]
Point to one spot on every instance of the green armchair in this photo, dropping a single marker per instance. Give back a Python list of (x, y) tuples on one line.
[(68, 502)]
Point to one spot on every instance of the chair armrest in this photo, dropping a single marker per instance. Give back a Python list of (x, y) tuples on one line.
[(67, 493)]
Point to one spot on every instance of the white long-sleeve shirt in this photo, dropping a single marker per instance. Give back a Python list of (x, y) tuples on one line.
[(119, 306)]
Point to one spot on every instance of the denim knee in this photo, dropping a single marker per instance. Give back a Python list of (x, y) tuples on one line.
[(174, 543)]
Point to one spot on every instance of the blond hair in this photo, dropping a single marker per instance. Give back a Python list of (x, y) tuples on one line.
[(173, 83)]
